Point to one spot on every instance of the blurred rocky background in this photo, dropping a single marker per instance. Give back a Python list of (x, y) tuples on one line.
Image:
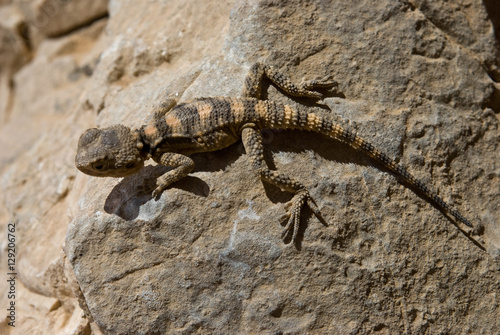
[(418, 78)]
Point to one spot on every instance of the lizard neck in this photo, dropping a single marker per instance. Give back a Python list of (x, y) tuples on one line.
[(143, 143)]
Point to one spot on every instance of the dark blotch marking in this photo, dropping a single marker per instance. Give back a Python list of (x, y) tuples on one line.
[(222, 113), (250, 114), (109, 138), (188, 116), (162, 126)]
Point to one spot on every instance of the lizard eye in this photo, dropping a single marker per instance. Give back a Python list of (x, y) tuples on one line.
[(130, 165), (100, 166)]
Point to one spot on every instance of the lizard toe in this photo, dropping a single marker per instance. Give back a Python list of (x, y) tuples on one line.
[(326, 82), (157, 192), (293, 214)]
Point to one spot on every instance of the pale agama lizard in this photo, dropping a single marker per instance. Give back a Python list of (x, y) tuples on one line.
[(176, 131)]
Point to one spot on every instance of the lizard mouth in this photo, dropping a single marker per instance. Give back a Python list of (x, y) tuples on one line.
[(105, 169)]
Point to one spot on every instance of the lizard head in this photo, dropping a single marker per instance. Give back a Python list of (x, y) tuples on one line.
[(110, 152)]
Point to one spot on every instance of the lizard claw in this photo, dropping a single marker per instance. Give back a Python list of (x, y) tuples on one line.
[(157, 191), (293, 214)]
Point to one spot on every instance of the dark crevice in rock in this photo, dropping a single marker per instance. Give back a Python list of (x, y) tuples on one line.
[(493, 9), (79, 27), (493, 100)]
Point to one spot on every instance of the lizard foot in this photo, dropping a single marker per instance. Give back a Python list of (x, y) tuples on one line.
[(293, 213), (160, 187), (312, 86)]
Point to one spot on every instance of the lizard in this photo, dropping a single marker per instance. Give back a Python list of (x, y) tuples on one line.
[(176, 131)]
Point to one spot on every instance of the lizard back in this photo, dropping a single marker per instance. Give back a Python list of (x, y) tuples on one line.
[(201, 125)]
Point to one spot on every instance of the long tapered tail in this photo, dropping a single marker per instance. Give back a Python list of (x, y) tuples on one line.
[(350, 138), (306, 120)]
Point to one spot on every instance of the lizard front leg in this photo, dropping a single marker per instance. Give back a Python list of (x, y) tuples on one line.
[(181, 165), (252, 141), (255, 77)]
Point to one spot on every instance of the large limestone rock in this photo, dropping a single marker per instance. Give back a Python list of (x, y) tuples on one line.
[(417, 79)]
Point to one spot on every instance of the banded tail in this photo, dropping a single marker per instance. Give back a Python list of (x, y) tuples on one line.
[(357, 142), (324, 124)]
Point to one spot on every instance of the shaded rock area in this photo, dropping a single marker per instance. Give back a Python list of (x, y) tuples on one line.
[(419, 79)]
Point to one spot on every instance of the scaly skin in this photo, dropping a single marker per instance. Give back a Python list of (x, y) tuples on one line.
[(178, 130)]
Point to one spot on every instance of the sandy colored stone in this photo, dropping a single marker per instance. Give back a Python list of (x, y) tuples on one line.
[(37, 174), (414, 78)]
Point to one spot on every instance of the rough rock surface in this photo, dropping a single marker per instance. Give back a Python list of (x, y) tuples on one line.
[(418, 78)]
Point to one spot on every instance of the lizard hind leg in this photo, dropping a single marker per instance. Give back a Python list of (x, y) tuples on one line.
[(252, 141)]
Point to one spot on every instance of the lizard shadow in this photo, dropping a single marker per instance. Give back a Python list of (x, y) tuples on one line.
[(126, 198)]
